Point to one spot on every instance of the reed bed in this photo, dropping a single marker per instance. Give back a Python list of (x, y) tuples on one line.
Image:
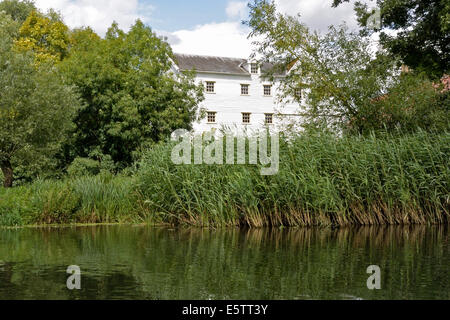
[(91, 199), (323, 180)]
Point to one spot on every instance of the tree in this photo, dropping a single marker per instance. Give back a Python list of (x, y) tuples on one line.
[(131, 97), (337, 72), (413, 102), (423, 27), (18, 10), (45, 35), (35, 107), (347, 86)]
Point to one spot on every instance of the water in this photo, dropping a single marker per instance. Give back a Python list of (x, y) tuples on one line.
[(125, 262)]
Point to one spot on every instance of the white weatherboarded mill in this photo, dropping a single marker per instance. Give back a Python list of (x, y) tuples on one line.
[(237, 96)]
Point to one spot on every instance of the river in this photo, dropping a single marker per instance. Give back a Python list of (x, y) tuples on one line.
[(142, 262)]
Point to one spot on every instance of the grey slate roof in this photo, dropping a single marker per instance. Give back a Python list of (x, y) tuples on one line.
[(213, 64)]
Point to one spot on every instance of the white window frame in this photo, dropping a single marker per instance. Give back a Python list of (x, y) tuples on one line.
[(270, 90), (249, 117), (243, 85), (207, 85), (266, 117), (254, 68), (212, 113)]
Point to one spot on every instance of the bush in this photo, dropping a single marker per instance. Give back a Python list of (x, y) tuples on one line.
[(88, 167)]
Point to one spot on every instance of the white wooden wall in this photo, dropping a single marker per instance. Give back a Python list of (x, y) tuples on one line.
[(229, 104)]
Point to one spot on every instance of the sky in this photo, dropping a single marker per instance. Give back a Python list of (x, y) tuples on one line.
[(205, 27)]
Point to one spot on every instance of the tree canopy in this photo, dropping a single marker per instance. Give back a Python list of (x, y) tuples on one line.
[(36, 107), (422, 31), (131, 97), (347, 86), (45, 35), (19, 10)]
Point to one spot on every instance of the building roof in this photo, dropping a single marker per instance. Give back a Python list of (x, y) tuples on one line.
[(211, 64), (238, 66)]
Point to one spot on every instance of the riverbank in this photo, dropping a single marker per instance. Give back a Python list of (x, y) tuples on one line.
[(322, 181)]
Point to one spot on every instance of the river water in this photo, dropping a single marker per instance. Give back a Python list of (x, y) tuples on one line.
[(136, 262)]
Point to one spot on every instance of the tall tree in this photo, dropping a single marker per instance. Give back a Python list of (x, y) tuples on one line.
[(131, 97), (422, 28), (45, 35), (35, 106), (19, 10), (346, 85)]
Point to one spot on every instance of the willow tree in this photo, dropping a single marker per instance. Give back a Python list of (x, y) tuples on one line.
[(348, 85), (36, 106)]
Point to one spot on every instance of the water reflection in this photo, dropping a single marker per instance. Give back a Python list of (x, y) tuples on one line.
[(123, 262)]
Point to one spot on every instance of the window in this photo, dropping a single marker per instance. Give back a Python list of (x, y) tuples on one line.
[(267, 90), (245, 117), (211, 117), (269, 118), (298, 93), (244, 89), (254, 68), (210, 86)]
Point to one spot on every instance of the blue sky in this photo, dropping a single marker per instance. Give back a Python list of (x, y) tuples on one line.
[(207, 27), (181, 14)]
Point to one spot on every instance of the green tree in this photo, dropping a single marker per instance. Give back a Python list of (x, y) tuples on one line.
[(45, 35), (18, 10), (35, 107), (337, 71), (131, 97), (422, 39), (347, 86)]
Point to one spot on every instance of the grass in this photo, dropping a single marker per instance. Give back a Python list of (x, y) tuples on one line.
[(323, 181), (99, 199)]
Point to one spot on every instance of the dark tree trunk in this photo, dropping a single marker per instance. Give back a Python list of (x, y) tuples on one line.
[(7, 173)]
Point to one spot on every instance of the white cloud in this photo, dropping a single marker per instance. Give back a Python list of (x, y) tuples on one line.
[(237, 9), (228, 39), (98, 14), (319, 14), (224, 39)]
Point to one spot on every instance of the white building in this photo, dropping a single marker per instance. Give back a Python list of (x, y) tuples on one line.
[(237, 96)]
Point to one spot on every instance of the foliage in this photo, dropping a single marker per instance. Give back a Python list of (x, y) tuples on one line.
[(19, 10), (422, 39), (35, 108), (46, 36), (342, 78), (323, 180), (102, 198), (131, 98), (90, 167), (412, 103)]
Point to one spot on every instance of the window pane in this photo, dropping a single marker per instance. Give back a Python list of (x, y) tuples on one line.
[(244, 89), (209, 86), (211, 117), (269, 118), (254, 68), (246, 118), (267, 90)]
